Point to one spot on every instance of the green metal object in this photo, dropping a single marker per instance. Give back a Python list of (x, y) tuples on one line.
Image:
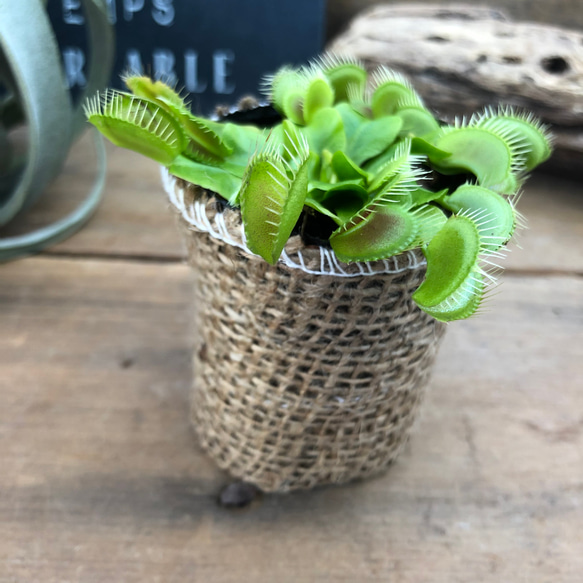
[(35, 95)]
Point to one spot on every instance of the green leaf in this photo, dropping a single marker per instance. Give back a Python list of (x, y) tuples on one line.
[(209, 177), (422, 196), (351, 119), (359, 100), (423, 147), (451, 255), (290, 136), (534, 136), (326, 186), (243, 141), (391, 89), (493, 214), (271, 203), (345, 200), (286, 90), (346, 169), (205, 143), (481, 152), (342, 74), (158, 91), (372, 138), (396, 159), (326, 131), (462, 304), (137, 124), (366, 236), (315, 204), (326, 170), (417, 121), (378, 232), (315, 166), (431, 220), (397, 189), (373, 167), (319, 95), (293, 106), (204, 140)]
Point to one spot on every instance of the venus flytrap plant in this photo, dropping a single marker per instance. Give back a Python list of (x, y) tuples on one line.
[(343, 73), (272, 196), (389, 90), (359, 155), (137, 124)]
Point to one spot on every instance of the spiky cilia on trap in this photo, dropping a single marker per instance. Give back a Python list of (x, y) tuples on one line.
[(364, 152)]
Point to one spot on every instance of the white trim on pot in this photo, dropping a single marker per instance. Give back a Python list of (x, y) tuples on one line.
[(195, 214)]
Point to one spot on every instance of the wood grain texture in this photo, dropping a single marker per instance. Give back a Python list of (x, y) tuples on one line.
[(135, 220), (102, 481), (553, 239)]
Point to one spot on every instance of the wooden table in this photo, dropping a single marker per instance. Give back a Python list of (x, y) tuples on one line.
[(101, 479)]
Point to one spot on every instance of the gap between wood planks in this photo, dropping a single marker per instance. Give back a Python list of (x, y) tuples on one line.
[(165, 259), (125, 257)]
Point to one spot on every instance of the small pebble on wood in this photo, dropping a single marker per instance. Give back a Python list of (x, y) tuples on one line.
[(238, 495)]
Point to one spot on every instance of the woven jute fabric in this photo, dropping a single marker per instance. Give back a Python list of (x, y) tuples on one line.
[(301, 379)]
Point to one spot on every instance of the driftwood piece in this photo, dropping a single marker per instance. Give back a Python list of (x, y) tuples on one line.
[(565, 13), (462, 58)]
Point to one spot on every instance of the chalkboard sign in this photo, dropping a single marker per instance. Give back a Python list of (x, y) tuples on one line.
[(215, 50)]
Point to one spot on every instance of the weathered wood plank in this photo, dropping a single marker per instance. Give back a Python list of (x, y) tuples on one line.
[(101, 479), (135, 219), (553, 209)]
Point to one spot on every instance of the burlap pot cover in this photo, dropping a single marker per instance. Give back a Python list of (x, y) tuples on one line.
[(309, 372)]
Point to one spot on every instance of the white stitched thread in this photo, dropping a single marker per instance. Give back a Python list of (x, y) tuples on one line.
[(326, 260), (196, 215), (301, 258), (169, 185)]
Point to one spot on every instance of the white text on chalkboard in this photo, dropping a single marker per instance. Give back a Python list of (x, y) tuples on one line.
[(163, 66), (162, 11)]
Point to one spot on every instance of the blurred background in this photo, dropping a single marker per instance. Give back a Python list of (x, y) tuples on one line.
[(216, 54), (215, 51), (461, 58), (567, 13)]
